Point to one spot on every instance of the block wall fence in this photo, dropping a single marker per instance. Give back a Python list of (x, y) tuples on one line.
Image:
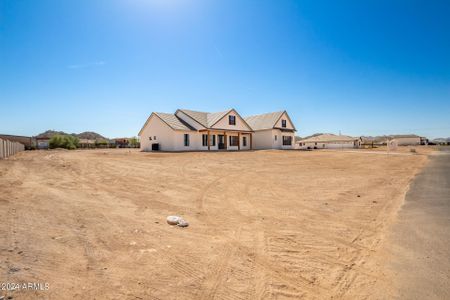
[(8, 148)]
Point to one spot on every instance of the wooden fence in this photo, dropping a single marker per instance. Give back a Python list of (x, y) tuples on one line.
[(8, 148)]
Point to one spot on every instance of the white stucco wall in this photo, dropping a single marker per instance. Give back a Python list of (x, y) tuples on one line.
[(327, 145), (408, 141), (262, 139), (224, 123), (163, 133), (289, 125), (265, 139)]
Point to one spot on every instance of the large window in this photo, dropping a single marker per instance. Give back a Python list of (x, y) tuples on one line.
[(287, 140), (186, 140), (244, 141), (232, 120), (283, 123), (213, 140), (204, 140), (234, 141)]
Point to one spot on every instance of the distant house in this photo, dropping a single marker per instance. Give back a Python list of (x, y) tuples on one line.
[(408, 140), (121, 142), (188, 130), (86, 143), (329, 141), (42, 142)]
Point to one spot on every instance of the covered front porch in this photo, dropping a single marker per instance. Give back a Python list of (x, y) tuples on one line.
[(227, 140)]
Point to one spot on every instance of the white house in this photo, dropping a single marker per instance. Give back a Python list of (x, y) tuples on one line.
[(329, 141), (272, 131), (188, 130)]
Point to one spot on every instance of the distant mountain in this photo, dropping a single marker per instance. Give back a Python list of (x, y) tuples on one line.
[(49, 133), (90, 135), (312, 135)]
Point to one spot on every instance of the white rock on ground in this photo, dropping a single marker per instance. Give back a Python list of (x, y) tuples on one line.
[(173, 220)]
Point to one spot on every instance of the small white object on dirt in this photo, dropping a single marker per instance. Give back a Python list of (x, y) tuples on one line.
[(173, 220), (183, 223)]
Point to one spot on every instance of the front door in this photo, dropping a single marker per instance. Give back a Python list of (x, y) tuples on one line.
[(221, 141)]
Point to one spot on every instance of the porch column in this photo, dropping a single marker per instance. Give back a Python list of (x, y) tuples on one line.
[(209, 141), (251, 141), (225, 138), (239, 141)]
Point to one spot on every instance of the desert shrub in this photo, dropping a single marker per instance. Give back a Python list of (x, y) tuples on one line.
[(101, 143), (63, 141), (134, 142)]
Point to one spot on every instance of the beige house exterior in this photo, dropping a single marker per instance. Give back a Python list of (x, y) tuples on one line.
[(188, 130), (329, 141)]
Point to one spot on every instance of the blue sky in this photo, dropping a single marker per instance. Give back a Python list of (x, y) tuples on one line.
[(359, 67)]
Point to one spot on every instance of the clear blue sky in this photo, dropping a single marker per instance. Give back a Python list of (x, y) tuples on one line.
[(361, 67)]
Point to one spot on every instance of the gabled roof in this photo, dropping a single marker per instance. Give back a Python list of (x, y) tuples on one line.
[(204, 118), (266, 121), (171, 120), (208, 120), (174, 122), (328, 137)]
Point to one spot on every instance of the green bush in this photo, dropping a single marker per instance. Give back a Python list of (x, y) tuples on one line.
[(134, 142), (63, 141)]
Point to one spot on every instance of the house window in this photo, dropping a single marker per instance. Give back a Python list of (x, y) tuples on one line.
[(186, 140), (276, 137), (154, 137), (234, 141), (204, 140), (287, 140), (244, 141), (149, 138), (232, 120), (283, 123), (213, 140)]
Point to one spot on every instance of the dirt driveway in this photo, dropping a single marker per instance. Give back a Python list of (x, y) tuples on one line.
[(266, 224)]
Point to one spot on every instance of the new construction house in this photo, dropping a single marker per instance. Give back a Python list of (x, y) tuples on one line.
[(188, 130)]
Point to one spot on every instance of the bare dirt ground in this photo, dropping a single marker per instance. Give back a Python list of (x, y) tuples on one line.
[(267, 224)]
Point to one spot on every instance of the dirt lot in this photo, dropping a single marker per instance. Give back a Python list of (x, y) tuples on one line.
[(267, 224)]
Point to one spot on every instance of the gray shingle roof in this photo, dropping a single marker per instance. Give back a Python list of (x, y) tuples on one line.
[(204, 118), (264, 121), (173, 121)]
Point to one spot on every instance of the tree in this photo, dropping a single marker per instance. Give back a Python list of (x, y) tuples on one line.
[(63, 141), (134, 142)]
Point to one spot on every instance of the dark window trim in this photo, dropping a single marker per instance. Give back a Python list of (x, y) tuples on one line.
[(235, 139), (287, 140), (283, 123), (231, 120), (244, 141), (186, 139)]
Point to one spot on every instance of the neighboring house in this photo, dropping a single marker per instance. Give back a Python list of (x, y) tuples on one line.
[(121, 142), (42, 142), (86, 143), (272, 131), (408, 140), (188, 130), (329, 141)]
